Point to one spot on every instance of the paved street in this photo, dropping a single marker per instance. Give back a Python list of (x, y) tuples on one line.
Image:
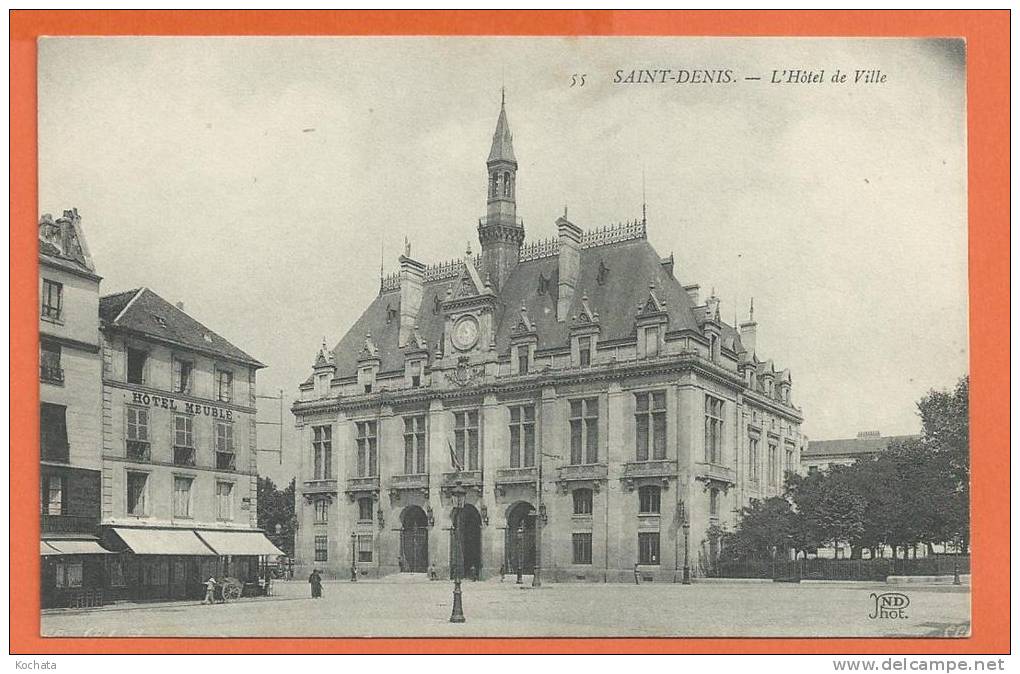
[(379, 608)]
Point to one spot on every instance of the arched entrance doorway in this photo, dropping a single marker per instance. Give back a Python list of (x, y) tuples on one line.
[(471, 542), (520, 538), (414, 540)]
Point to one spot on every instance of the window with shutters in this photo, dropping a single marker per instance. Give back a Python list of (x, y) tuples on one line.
[(182, 375), (224, 386), (54, 490), (182, 496), (225, 501), (225, 457), (137, 439), (137, 491), (184, 440), (522, 436), (651, 425)]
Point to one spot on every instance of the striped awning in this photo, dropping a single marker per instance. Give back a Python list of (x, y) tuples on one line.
[(239, 542), (144, 541)]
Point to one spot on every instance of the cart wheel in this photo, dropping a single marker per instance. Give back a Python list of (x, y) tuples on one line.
[(231, 592)]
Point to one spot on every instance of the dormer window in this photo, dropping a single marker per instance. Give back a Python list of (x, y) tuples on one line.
[(366, 379), (415, 370), (584, 351), (523, 360), (713, 348), (651, 342)]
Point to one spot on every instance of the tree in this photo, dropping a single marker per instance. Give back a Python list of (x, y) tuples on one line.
[(276, 507), (765, 526)]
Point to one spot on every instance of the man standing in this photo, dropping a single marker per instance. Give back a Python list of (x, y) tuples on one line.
[(315, 580), (210, 591)]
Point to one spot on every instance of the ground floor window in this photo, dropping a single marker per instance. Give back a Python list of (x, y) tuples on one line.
[(321, 549), (69, 574), (648, 548), (582, 548), (365, 548)]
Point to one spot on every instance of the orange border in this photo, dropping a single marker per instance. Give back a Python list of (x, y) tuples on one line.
[(987, 34)]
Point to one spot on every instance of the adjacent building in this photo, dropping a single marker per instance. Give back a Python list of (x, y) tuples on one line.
[(590, 402), (72, 563), (179, 457), (820, 454)]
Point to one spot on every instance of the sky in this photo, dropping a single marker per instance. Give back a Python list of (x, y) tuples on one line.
[(263, 181)]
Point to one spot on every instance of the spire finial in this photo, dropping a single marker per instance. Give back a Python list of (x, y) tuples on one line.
[(644, 198), (750, 316), (564, 211)]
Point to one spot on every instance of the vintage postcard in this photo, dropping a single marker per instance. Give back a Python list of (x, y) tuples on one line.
[(452, 336)]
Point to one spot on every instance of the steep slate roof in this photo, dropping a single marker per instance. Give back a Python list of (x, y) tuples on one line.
[(143, 311), (502, 139), (852, 446), (632, 266)]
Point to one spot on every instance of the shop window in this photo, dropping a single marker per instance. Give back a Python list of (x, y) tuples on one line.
[(321, 548), (136, 493), (52, 300), (368, 448), (69, 574), (651, 425), (582, 548), (322, 450), (584, 431), (414, 445), (182, 375), (649, 500), (53, 433), (522, 436), (648, 548), (136, 359), (582, 501), (50, 370)]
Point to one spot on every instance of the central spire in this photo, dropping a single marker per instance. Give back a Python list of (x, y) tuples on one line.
[(500, 232)]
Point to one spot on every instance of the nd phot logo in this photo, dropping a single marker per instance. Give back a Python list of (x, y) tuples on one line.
[(889, 605)]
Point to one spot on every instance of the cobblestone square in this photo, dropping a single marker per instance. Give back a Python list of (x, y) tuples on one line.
[(495, 609)]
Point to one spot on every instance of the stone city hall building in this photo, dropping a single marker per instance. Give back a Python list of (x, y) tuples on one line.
[(588, 400)]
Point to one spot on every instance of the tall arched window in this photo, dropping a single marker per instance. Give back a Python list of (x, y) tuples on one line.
[(492, 185), (506, 184)]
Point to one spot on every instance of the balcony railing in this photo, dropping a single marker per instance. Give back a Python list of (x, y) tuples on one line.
[(138, 450), (226, 461), (525, 475), (465, 477), (69, 524), (319, 487), (585, 471), (53, 375), (655, 468), (715, 472), (370, 483), (416, 481), (184, 456)]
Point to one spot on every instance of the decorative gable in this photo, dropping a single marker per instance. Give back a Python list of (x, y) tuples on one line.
[(586, 317), (524, 325), (652, 307), (369, 351)]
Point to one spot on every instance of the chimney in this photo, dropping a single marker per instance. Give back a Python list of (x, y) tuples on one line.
[(570, 265), (749, 331), (412, 279), (667, 264), (693, 292)]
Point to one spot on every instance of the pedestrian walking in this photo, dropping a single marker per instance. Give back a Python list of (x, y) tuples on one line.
[(637, 576), (210, 591), (432, 572), (315, 580)]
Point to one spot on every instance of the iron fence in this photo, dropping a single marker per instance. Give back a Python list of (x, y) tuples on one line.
[(878, 569)]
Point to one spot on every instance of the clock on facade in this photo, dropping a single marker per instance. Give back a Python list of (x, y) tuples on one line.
[(465, 333)]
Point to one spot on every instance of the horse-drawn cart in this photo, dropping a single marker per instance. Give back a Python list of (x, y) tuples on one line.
[(231, 589)]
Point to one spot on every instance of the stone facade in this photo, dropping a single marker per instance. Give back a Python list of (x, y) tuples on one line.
[(590, 404)]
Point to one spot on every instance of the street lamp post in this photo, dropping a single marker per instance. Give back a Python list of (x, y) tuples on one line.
[(354, 559), (520, 552), (687, 548), (458, 491)]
